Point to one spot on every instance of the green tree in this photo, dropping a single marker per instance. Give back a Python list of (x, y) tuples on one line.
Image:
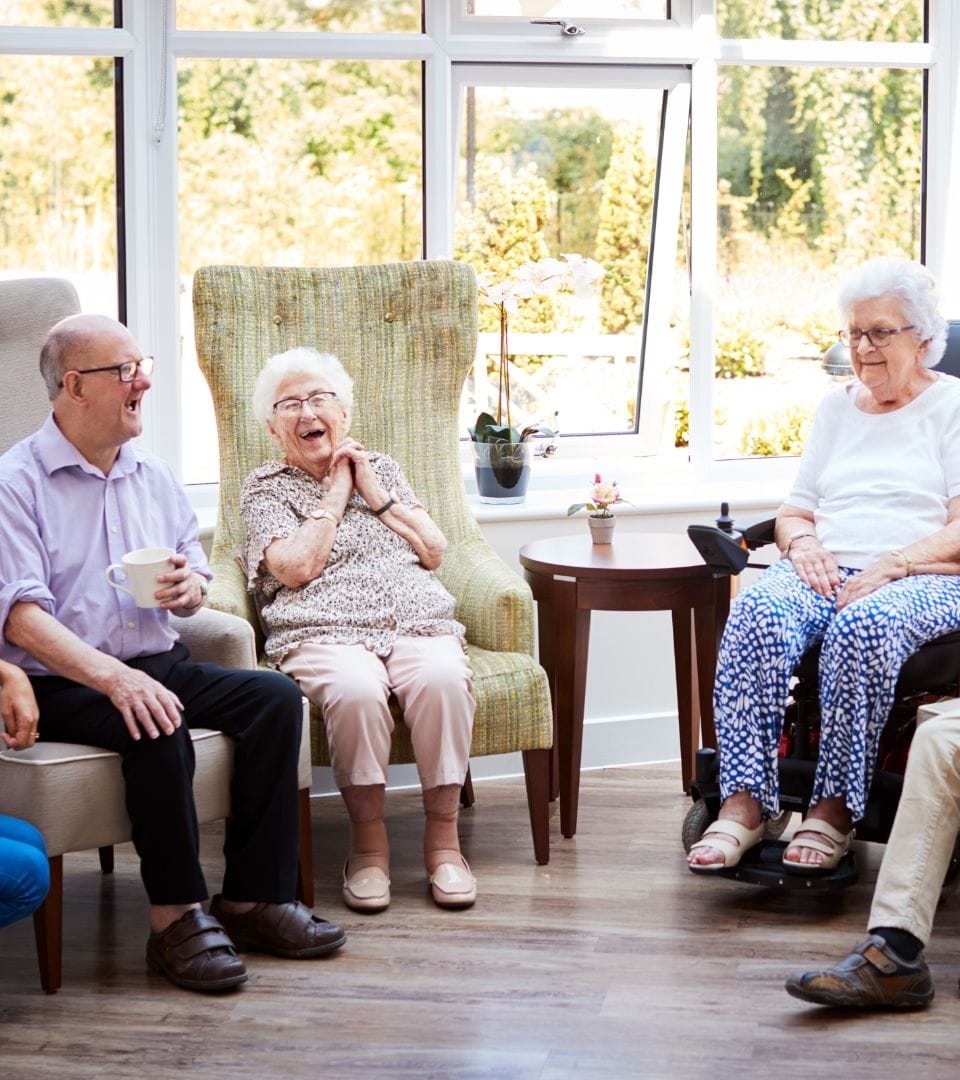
[(623, 236)]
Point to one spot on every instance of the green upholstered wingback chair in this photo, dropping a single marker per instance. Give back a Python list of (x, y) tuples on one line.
[(406, 332)]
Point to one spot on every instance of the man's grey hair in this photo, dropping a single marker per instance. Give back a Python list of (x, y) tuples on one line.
[(912, 286), (325, 368)]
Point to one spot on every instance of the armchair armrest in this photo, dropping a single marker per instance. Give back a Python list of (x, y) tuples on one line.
[(493, 602), (217, 637)]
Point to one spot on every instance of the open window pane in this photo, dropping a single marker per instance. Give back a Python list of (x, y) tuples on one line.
[(829, 20), (823, 173), (570, 9), (358, 16), (314, 163), (97, 13), (58, 173), (546, 172)]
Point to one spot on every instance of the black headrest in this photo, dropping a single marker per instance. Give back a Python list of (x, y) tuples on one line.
[(951, 358)]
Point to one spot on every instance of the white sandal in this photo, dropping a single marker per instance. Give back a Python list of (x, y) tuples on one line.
[(731, 839), (830, 842)]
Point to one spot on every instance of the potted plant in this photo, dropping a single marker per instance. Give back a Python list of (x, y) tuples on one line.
[(605, 494), (501, 451)]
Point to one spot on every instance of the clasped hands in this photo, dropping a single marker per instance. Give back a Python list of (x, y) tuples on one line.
[(350, 469)]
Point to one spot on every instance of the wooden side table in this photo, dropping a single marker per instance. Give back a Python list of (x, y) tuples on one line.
[(570, 577)]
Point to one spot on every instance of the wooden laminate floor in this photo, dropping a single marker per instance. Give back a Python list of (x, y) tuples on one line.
[(613, 961)]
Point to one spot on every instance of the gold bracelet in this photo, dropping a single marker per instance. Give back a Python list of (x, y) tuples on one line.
[(902, 555)]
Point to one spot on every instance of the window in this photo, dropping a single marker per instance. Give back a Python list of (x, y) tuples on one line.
[(766, 157), (58, 173), (282, 162)]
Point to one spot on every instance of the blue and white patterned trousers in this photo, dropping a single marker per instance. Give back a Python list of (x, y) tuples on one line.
[(771, 625)]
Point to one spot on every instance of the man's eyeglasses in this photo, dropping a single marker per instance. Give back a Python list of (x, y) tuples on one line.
[(293, 406), (126, 372), (879, 336)]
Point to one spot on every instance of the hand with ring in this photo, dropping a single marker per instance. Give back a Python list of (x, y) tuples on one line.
[(18, 708)]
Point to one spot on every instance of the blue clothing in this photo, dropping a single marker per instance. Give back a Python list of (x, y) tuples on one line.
[(64, 522), (24, 870), (771, 625)]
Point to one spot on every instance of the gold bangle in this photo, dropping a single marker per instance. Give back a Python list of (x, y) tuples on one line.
[(901, 555)]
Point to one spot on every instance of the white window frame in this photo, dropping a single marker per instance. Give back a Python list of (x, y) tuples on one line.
[(150, 46)]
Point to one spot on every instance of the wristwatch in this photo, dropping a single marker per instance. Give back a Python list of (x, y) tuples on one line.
[(322, 512)]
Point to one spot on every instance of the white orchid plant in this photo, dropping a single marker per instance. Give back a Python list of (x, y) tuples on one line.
[(545, 277)]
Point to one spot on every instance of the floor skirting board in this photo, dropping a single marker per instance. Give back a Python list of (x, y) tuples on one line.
[(607, 742)]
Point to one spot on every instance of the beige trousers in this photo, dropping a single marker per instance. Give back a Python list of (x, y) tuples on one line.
[(431, 679), (921, 842)]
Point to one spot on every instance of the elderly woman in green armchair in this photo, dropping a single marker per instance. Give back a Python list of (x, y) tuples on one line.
[(340, 556)]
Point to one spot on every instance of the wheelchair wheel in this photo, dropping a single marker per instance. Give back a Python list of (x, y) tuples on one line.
[(777, 826), (695, 824)]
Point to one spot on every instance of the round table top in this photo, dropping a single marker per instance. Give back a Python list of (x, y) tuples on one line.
[(631, 555)]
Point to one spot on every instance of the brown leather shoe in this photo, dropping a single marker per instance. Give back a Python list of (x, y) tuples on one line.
[(194, 952), (290, 930), (873, 976)]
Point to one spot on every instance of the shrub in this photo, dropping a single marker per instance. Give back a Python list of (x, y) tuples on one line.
[(783, 433)]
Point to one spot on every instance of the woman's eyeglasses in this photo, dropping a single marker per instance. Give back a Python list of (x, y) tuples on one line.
[(293, 406), (878, 337)]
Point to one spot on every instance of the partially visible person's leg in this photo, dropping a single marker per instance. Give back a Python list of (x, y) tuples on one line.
[(432, 681), (888, 970), (771, 625), (24, 870), (924, 832), (349, 684)]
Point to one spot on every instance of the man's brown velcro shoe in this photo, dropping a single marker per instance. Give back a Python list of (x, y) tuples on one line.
[(873, 976), (195, 953), (290, 930)]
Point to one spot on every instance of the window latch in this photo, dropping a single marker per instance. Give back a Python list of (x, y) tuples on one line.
[(570, 29)]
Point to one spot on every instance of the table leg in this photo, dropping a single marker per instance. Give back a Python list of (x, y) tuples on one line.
[(547, 654), (686, 690), (572, 629), (709, 622)]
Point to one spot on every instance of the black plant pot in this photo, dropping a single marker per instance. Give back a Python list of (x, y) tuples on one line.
[(503, 471)]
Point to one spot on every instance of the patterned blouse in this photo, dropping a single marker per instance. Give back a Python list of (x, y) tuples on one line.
[(373, 588)]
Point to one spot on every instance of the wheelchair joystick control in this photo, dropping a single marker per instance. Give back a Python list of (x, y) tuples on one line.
[(725, 523)]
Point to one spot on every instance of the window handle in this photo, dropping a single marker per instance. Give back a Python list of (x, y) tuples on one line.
[(570, 29)]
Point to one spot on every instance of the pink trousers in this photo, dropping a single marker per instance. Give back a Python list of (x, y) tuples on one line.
[(431, 679)]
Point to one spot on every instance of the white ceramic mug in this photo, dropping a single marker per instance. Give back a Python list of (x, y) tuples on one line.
[(140, 569)]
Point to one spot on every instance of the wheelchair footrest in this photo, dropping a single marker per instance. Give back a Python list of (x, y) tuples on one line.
[(763, 865)]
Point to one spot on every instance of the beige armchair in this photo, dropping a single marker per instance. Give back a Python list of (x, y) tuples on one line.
[(406, 332), (74, 794)]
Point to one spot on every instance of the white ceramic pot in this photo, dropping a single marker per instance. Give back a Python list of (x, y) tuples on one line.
[(601, 528)]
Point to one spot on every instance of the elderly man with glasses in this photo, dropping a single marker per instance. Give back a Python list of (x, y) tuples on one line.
[(77, 496)]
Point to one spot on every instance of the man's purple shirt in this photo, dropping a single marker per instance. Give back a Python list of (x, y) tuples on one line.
[(62, 522)]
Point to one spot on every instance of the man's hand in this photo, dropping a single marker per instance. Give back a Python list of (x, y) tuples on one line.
[(143, 702), (180, 587), (18, 707)]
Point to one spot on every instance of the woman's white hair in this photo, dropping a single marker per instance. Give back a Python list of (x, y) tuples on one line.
[(325, 368), (912, 285)]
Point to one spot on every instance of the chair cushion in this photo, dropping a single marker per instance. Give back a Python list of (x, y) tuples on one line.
[(74, 794)]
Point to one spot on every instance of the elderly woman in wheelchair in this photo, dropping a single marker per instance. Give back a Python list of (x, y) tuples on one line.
[(870, 543)]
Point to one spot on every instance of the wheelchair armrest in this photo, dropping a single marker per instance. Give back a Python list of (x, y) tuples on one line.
[(760, 533)]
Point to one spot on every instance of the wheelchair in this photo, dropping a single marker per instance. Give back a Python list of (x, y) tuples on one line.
[(928, 675)]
